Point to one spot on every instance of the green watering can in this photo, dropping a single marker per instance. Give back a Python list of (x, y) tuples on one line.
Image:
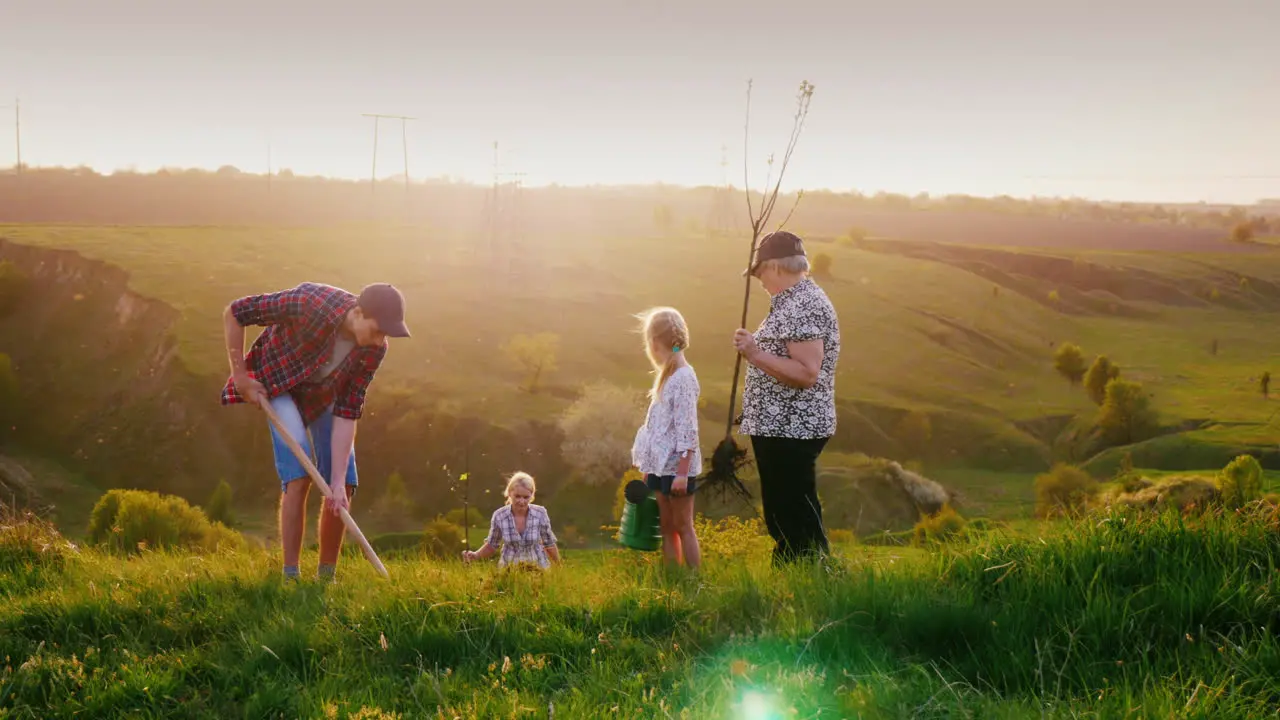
[(640, 528)]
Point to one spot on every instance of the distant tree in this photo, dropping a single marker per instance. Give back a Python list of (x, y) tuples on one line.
[(536, 354), (1213, 347), (218, 507), (857, 234), (1054, 298), (393, 508), (1064, 490), (1100, 373), (822, 265), (1265, 383), (599, 428), (995, 291), (1126, 415), (1069, 362), (1242, 232), (8, 396)]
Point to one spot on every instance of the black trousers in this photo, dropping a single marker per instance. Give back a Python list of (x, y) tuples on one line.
[(788, 490)]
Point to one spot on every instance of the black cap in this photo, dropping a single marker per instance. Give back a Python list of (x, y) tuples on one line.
[(384, 303), (775, 246)]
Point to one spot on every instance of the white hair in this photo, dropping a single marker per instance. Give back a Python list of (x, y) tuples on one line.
[(794, 265)]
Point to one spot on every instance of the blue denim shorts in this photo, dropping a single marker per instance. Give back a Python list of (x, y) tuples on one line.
[(320, 451), (663, 484)]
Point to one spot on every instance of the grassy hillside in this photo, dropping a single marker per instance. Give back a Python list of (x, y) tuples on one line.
[(967, 334), (1118, 616)]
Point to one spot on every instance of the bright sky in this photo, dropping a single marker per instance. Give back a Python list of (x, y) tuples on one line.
[(1127, 99)]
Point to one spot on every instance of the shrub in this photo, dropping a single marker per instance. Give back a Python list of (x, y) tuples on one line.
[(841, 536), (218, 508), (1068, 360), (732, 537), (133, 520), (822, 265), (1240, 481), (599, 428), (1242, 232), (30, 545), (1065, 489), (477, 518), (938, 527), (443, 539)]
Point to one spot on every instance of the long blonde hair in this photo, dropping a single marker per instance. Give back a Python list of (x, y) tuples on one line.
[(663, 327), (520, 479)]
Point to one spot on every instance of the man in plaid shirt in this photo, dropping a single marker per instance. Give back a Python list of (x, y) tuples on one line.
[(314, 362)]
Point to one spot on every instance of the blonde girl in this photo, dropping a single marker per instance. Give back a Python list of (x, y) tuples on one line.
[(522, 529), (666, 448)]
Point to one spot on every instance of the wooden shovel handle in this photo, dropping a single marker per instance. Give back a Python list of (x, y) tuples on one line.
[(322, 485)]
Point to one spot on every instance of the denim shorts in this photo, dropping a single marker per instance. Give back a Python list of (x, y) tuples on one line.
[(288, 467), (663, 484)]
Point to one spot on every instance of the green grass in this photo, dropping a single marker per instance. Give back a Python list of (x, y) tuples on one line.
[(1117, 616)]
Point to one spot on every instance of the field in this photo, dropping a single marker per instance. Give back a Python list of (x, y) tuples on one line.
[(1115, 615), (1118, 616), (963, 333)]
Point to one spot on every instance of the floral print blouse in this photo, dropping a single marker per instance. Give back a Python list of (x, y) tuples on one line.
[(773, 409), (670, 428)]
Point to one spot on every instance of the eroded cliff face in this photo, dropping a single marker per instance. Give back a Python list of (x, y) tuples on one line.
[(101, 383)]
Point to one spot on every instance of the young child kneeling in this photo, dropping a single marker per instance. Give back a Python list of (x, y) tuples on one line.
[(666, 447), (520, 528)]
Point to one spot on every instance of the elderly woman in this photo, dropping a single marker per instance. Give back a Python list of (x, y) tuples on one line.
[(788, 399), (520, 528)]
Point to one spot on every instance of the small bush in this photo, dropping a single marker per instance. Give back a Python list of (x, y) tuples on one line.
[(822, 265), (1068, 360), (476, 517), (732, 537), (134, 520), (1065, 489), (1240, 481), (443, 539), (938, 527), (841, 536), (30, 546), (218, 508)]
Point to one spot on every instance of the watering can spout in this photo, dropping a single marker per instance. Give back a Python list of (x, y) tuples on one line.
[(639, 528)]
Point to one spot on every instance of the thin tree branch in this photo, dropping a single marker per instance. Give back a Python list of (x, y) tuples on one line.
[(802, 112), (794, 205), (746, 160)]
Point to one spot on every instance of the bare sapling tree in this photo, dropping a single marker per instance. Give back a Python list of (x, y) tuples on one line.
[(729, 457)]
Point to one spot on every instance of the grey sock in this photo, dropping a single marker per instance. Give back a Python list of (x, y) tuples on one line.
[(291, 572)]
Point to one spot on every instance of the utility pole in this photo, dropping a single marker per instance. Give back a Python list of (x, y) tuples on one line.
[(17, 134), (404, 136)]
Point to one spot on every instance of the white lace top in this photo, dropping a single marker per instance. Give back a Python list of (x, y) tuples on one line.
[(670, 428)]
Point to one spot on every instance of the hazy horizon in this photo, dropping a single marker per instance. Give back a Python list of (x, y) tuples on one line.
[(1141, 102)]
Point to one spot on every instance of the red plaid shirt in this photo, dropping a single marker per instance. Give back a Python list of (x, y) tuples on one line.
[(302, 323)]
